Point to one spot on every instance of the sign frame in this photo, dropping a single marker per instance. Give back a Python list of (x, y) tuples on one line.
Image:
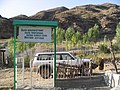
[(17, 23), (34, 34)]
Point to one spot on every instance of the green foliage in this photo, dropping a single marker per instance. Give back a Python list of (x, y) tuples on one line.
[(85, 38), (105, 39), (2, 47), (115, 47), (20, 47), (60, 35), (117, 36), (104, 48), (118, 31), (11, 51), (78, 36), (75, 38), (68, 45), (27, 60), (69, 33), (93, 33), (11, 47), (30, 45)]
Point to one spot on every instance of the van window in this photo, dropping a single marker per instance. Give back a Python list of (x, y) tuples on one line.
[(60, 56), (67, 57), (44, 57)]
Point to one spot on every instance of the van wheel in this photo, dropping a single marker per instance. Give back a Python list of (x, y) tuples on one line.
[(45, 71)]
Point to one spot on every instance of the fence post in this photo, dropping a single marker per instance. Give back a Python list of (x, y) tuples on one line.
[(54, 64), (15, 64), (23, 71), (31, 74)]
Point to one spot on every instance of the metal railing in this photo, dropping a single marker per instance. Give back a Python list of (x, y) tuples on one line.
[(40, 77), (20, 72)]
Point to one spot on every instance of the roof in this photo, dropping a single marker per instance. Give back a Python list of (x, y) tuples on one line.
[(51, 52)]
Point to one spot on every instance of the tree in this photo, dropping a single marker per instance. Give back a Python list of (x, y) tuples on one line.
[(20, 47), (75, 38), (10, 51), (117, 36), (93, 33), (11, 47), (113, 59), (69, 33), (85, 38), (78, 36), (60, 35), (105, 39)]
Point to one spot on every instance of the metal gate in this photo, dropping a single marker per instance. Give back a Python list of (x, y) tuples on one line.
[(41, 76), (20, 72), (31, 78)]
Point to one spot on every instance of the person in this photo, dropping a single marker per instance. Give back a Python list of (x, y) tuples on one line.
[(101, 64)]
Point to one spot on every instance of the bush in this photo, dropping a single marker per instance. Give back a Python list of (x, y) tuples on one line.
[(26, 60), (115, 47), (104, 48)]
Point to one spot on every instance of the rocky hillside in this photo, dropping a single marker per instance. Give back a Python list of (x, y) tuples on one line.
[(6, 28), (107, 16)]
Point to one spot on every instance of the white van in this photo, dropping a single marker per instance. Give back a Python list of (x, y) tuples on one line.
[(44, 61)]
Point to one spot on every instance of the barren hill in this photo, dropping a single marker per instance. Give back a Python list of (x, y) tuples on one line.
[(107, 16)]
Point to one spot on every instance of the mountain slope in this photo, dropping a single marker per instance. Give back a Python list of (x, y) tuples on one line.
[(107, 16)]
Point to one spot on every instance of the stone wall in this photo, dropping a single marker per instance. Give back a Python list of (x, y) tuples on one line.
[(112, 79), (81, 82)]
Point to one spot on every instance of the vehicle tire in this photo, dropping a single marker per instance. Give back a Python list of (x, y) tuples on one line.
[(45, 71)]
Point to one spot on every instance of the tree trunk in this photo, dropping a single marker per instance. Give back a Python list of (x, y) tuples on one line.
[(113, 59)]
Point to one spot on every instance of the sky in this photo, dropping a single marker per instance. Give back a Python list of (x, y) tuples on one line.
[(11, 8)]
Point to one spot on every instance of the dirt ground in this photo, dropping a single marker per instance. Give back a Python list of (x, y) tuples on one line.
[(7, 77), (108, 66)]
